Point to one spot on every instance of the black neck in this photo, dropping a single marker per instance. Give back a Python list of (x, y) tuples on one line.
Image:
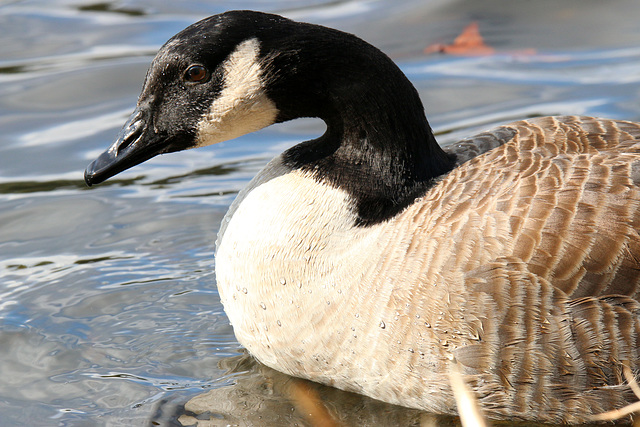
[(378, 145)]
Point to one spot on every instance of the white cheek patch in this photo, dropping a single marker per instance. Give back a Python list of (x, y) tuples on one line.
[(242, 106)]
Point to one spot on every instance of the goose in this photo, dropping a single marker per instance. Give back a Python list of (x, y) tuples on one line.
[(371, 259)]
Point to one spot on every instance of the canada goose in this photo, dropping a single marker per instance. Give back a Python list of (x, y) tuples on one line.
[(371, 259)]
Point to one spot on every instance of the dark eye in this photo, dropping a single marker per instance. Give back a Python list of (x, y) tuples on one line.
[(195, 73)]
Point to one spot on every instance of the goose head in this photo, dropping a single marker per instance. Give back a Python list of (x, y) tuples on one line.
[(237, 72), (201, 88)]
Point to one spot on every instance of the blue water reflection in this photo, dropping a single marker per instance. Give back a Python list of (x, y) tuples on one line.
[(109, 314)]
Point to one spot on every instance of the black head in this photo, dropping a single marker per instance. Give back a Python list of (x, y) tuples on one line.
[(205, 85), (237, 72)]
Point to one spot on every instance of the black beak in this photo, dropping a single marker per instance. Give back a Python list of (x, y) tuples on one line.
[(135, 144)]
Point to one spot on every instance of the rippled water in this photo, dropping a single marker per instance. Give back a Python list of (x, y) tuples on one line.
[(109, 314)]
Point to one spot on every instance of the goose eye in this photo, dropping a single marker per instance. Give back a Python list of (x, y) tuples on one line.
[(195, 73)]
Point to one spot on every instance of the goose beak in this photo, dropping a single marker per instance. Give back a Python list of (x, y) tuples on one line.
[(135, 144)]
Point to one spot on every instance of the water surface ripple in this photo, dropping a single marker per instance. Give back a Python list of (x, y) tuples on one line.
[(109, 314)]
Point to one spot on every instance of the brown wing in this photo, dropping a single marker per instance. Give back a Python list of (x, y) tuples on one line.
[(541, 352), (578, 225), (560, 315)]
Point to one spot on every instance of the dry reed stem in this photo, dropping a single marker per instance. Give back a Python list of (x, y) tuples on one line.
[(468, 408), (631, 380), (616, 414)]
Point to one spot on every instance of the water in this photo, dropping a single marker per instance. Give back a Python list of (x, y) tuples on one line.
[(109, 313)]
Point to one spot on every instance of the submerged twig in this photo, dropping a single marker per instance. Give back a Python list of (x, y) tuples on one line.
[(310, 405)]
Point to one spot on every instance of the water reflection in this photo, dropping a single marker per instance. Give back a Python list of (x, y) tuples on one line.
[(256, 395), (21, 187), (112, 8), (262, 396)]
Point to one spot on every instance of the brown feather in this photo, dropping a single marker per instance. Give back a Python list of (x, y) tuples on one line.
[(564, 294)]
